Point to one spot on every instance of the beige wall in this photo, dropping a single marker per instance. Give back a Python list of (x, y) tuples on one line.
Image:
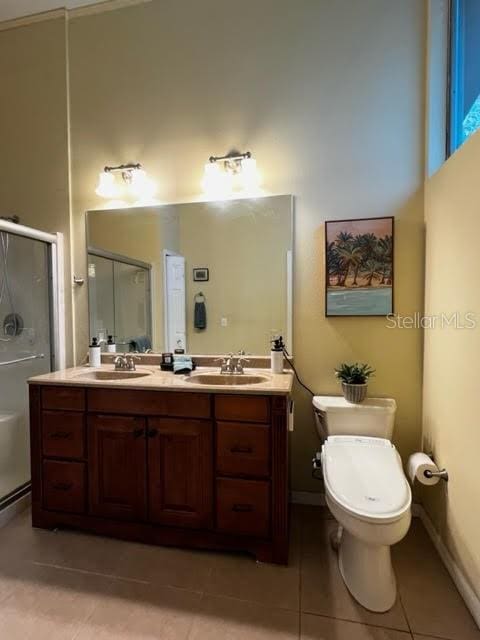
[(244, 244), (34, 180), (328, 96), (451, 429)]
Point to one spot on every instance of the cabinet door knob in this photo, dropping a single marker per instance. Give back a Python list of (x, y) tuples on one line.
[(138, 433), (152, 433)]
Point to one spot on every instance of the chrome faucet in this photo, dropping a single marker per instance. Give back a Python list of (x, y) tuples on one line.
[(125, 363), (233, 364)]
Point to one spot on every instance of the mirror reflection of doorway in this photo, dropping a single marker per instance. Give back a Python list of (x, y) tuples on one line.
[(120, 300), (175, 302)]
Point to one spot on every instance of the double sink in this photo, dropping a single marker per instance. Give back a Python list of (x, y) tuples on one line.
[(210, 379)]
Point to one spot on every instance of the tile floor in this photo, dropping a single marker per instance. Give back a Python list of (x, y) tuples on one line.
[(70, 586)]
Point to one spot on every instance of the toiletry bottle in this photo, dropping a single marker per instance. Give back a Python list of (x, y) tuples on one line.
[(111, 346), (276, 355), (94, 357)]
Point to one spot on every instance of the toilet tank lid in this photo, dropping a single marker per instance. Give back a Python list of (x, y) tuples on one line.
[(338, 403)]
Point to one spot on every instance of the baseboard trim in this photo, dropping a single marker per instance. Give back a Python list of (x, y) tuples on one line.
[(472, 601), (15, 508)]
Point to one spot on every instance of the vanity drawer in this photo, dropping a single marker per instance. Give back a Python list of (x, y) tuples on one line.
[(243, 449), (63, 398), (242, 408), (152, 403), (64, 486), (63, 434), (243, 507)]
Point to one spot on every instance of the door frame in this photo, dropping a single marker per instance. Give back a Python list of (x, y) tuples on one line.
[(166, 254), (55, 244)]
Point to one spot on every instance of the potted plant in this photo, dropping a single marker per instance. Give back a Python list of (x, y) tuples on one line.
[(354, 379)]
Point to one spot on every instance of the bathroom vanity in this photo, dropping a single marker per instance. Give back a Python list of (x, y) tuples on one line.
[(159, 459)]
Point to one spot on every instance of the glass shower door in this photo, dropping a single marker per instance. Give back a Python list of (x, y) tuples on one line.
[(25, 350)]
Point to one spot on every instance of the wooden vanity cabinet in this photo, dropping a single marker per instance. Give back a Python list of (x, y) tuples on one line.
[(176, 468)]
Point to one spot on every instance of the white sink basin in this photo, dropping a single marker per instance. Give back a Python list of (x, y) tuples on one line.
[(114, 375), (223, 379)]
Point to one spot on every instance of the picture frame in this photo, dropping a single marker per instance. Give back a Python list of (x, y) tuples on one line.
[(201, 274), (359, 267)]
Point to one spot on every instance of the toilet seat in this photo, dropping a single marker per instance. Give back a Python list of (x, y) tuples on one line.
[(364, 476)]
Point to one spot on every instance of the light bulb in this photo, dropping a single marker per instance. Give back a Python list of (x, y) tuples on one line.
[(107, 186), (216, 182)]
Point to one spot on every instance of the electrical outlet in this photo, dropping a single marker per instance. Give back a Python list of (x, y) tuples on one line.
[(224, 322)]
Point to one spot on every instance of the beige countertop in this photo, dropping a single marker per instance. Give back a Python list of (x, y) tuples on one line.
[(274, 384)]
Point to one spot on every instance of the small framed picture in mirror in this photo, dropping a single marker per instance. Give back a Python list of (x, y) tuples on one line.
[(200, 274)]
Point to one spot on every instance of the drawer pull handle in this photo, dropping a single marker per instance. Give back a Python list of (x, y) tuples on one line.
[(63, 486), (242, 508), (240, 449), (138, 433), (61, 435), (152, 433)]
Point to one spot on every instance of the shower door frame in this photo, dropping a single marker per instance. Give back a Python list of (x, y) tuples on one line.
[(54, 242)]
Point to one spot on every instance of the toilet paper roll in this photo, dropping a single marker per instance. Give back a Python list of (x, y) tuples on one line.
[(418, 463)]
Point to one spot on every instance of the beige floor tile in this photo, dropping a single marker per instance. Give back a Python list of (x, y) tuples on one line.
[(139, 612), (231, 619), (432, 603), (50, 604), (323, 591), (320, 628), (267, 584), (167, 566), (20, 542)]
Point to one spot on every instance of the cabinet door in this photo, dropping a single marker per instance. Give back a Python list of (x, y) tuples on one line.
[(117, 467), (180, 472)]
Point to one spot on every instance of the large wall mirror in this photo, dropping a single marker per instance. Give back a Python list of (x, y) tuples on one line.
[(207, 277)]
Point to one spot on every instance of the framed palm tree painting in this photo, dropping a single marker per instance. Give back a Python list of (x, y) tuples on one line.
[(359, 267)]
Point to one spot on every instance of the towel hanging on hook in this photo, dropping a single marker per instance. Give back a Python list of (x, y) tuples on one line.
[(200, 312)]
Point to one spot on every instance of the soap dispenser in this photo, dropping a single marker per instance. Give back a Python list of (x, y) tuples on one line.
[(111, 346), (94, 355), (276, 355)]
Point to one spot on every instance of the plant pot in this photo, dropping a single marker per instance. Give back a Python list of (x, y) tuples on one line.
[(354, 393)]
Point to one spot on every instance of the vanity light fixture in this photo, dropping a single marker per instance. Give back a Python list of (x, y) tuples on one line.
[(135, 188), (234, 173)]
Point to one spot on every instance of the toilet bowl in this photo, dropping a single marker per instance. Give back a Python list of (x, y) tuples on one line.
[(367, 493)]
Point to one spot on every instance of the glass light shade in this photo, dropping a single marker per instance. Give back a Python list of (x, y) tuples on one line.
[(249, 177), (217, 183), (107, 186), (142, 187)]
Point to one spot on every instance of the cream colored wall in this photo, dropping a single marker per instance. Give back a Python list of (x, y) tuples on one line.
[(142, 234), (451, 429), (328, 96), (34, 180), (244, 245)]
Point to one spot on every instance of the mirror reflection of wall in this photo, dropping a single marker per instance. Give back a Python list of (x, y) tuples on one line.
[(221, 273)]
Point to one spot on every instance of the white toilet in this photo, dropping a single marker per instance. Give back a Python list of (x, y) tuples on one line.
[(366, 491)]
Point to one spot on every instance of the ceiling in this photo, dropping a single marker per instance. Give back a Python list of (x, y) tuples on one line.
[(10, 9)]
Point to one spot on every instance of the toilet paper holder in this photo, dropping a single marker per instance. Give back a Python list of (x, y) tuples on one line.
[(441, 473)]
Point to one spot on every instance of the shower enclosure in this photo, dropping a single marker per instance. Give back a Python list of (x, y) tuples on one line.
[(30, 340)]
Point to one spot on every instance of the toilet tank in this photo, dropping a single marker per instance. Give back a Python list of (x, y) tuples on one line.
[(334, 416)]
